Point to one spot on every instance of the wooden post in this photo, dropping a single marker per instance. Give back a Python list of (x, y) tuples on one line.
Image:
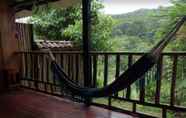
[(8, 41), (86, 43)]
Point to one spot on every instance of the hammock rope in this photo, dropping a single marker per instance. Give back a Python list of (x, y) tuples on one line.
[(135, 72)]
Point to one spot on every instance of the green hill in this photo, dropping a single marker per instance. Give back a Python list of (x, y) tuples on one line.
[(142, 25)]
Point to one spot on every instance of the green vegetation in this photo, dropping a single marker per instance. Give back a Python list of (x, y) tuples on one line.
[(139, 30), (66, 24)]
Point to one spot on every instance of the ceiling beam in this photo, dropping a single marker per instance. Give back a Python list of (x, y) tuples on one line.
[(28, 5)]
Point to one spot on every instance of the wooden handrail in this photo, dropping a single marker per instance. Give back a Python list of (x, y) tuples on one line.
[(101, 52)]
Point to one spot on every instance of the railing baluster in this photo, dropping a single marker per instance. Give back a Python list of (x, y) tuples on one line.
[(48, 75), (142, 89), (32, 66), (106, 75), (72, 67), (105, 70), (164, 113), (35, 71), (129, 65), (173, 82), (77, 69), (65, 63), (117, 68), (41, 61), (31, 70), (61, 60), (69, 65), (158, 79), (91, 65), (54, 82), (134, 107), (26, 67), (23, 71), (95, 57), (44, 67)]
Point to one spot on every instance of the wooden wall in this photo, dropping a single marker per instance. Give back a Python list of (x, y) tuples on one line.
[(8, 41), (24, 36)]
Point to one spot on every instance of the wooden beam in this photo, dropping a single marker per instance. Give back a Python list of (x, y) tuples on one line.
[(28, 4)]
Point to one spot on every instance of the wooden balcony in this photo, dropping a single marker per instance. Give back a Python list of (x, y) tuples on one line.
[(36, 74), (150, 99)]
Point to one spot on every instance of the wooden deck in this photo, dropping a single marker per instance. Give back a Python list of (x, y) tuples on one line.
[(28, 104)]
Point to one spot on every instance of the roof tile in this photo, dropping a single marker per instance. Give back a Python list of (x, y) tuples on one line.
[(53, 44)]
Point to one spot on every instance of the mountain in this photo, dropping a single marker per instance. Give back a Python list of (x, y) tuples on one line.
[(139, 30)]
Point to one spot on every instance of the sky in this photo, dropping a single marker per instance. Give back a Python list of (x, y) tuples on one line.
[(125, 6)]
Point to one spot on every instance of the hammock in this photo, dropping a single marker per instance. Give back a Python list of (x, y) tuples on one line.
[(135, 72)]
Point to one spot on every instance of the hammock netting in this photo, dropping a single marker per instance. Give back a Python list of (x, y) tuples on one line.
[(132, 74)]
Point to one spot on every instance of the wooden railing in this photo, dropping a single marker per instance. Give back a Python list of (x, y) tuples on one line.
[(162, 88)]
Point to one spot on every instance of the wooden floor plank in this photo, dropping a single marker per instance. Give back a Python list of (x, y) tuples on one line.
[(29, 104)]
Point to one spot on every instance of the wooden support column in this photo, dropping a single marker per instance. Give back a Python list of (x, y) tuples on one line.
[(86, 43), (8, 41)]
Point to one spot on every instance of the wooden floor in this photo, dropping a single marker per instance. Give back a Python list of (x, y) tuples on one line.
[(29, 104)]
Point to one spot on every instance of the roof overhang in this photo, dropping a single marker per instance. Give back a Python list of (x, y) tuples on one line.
[(24, 8)]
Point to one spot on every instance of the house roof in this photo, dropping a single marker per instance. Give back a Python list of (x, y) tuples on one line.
[(41, 44)]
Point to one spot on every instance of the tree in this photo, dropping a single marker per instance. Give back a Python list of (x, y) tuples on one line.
[(66, 24)]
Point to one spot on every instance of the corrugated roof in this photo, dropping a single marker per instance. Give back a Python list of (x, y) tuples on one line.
[(41, 44)]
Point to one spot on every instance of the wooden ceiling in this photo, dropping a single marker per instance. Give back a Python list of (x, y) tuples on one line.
[(20, 5), (23, 8)]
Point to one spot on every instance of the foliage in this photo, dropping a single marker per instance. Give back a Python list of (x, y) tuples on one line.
[(177, 11), (101, 31), (130, 44), (143, 25), (66, 24), (50, 23), (179, 8)]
